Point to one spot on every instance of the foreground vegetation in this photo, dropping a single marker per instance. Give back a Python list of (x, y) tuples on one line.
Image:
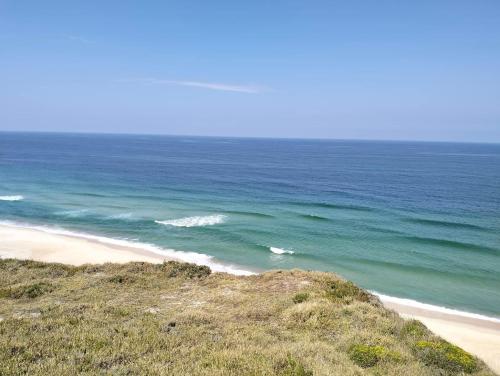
[(179, 319)]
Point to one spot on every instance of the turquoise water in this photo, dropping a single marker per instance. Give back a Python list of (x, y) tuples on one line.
[(411, 220)]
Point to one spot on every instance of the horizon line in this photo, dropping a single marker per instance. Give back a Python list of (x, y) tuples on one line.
[(253, 137)]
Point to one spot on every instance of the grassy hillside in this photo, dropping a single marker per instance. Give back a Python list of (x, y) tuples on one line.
[(179, 319)]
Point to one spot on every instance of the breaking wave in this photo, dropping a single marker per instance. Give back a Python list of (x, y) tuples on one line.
[(73, 213), (281, 251), (122, 216), (197, 221), (11, 198)]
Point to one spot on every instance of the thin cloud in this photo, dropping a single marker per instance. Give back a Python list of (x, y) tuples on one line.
[(248, 89), (77, 38), (219, 86)]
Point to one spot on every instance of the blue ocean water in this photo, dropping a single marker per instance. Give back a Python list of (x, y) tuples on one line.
[(407, 219)]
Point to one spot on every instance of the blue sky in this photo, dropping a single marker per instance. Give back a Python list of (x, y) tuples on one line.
[(423, 70)]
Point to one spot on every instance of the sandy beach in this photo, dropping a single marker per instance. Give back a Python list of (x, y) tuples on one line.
[(26, 243), (478, 336)]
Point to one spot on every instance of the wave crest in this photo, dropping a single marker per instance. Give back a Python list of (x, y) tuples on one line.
[(73, 213), (123, 216), (196, 221), (280, 251), (11, 198)]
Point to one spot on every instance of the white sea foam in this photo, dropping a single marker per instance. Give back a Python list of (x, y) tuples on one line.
[(11, 198), (192, 257), (73, 213), (434, 308), (197, 221), (121, 216), (280, 251)]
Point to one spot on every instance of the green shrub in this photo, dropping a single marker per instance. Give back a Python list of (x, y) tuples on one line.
[(300, 297), (413, 328), (89, 269), (139, 267), (446, 356), (177, 269), (50, 270), (118, 311), (340, 290), (293, 367), (367, 356), (122, 278), (30, 264), (31, 291)]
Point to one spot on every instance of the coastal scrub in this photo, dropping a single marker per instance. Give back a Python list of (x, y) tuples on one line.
[(181, 319), (446, 356)]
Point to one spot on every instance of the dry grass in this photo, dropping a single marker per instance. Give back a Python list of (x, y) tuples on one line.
[(178, 319)]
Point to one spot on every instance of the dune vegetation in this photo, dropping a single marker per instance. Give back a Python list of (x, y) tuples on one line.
[(181, 319)]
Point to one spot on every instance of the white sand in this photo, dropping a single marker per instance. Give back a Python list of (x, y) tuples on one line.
[(24, 243), (479, 337)]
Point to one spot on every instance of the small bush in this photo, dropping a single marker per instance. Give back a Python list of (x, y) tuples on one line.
[(50, 270), (300, 297), (30, 264), (340, 290), (112, 361), (176, 269), (446, 356), (90, 269), (367, 356), (118, 311), (121, 278), (140, 268), (292, 367), (28, 291), (413, 328)]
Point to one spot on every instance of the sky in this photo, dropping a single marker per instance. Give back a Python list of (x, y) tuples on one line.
[(398, 70)]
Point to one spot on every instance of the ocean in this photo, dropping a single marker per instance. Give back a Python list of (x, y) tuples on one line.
[(411, 220)]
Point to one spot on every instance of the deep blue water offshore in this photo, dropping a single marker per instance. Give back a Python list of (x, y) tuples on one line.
[(407, 219)]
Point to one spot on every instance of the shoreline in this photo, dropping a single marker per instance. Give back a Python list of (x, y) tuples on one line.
[(104, 249), (477, 334)]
